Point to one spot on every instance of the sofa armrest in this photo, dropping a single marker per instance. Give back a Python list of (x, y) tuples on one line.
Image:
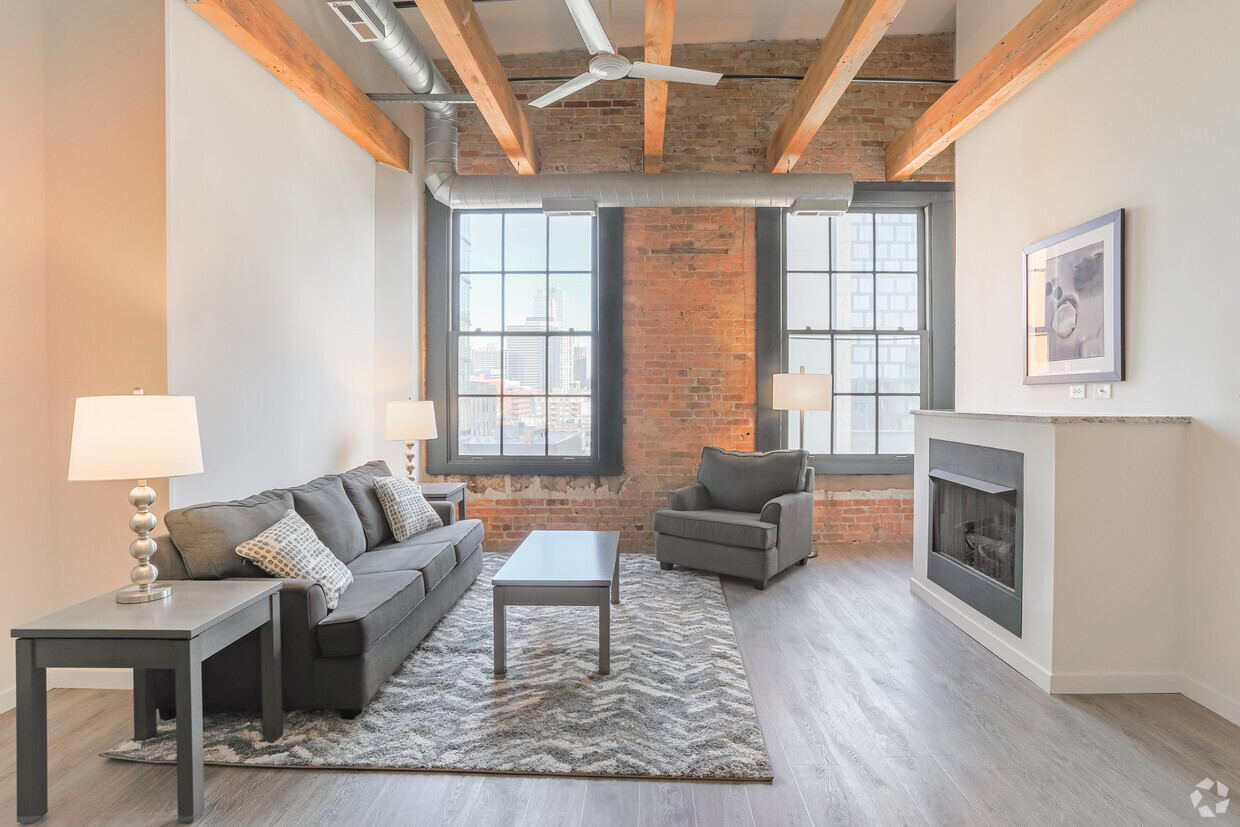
[(690, 498), (445, 510), (795, 506), (302, 599)]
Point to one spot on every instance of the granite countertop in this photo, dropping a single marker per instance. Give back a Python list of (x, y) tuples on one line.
[(1063, 419)]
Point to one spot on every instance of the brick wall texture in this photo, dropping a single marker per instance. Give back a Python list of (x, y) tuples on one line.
[(689, 274)]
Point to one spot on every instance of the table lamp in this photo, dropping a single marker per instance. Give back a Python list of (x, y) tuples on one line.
[(409, 422), (801, 392), (136, 437)]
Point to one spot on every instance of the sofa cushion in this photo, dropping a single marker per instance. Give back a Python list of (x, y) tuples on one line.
[(368, 610), (291, 549), (434, 561), (407, 511), (746, 481), (465, 536), (208, 534), (323, 504), (727, 528), (359, 486)]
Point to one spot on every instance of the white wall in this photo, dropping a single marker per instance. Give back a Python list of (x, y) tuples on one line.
[(273, 236), (25, 492), (1141, 116)]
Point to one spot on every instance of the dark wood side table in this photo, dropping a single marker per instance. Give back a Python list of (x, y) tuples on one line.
[(179, 633), (452, 492)]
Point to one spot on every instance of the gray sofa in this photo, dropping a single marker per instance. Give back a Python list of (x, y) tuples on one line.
[(337, 659), (749, 515)]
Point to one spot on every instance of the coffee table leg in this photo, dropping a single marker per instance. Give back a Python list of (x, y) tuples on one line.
[(501, 632), (272, 674), (31, 735), (189, 730), (143, 704), (604, 632), (615, 581)]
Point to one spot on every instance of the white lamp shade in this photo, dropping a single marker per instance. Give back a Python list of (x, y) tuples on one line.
[(801, 392), (134, 437), (409, 421)]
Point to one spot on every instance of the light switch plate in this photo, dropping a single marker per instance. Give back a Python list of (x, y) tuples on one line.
[(1102, 390), (1076, 391)]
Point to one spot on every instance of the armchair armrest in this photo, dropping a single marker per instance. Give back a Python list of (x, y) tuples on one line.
[(445, 510), (690, 498), (798, 504)]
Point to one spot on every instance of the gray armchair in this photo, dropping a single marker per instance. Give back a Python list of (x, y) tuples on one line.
[(749, 515)]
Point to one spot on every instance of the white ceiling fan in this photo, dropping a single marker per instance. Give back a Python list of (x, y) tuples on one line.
[(607, 65)]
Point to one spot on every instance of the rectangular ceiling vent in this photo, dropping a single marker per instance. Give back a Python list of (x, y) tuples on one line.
[(361, 20), (569, 206), (820, 206)]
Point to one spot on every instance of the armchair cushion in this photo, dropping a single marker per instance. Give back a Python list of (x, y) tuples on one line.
[(746, 481), (726, 528), (690, 498)]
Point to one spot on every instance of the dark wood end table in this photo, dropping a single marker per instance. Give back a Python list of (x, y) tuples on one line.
[(453, 492), (199, 619)]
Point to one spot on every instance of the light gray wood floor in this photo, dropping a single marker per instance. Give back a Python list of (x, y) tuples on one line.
[(875, 709)]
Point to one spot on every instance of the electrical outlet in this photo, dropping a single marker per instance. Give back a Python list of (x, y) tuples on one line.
[(1102, 390), (1076, 391)]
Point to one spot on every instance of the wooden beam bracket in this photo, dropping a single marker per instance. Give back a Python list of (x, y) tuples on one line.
[(456, 26), (857, 29), (1050, 31), (270, 36)]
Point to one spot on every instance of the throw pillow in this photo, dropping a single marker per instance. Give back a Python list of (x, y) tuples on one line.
[(290, 548), (407, 511)]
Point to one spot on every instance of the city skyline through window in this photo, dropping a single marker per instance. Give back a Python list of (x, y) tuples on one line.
[(525, 328)]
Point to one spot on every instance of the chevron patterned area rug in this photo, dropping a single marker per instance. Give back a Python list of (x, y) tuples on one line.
[(676, 704)]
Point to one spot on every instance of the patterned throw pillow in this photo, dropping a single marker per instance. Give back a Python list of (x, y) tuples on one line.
[(290, 548), (407, 511)]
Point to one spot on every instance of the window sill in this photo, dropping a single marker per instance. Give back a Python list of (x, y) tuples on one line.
[(882, 466), (528, 468)]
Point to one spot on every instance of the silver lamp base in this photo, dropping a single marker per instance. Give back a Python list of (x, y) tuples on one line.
[(134, 594)]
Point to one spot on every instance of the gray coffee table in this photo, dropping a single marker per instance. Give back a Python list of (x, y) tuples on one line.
[(178, 634), (560, 568)]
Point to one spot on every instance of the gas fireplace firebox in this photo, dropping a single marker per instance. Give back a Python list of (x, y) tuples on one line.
[(975, 527)]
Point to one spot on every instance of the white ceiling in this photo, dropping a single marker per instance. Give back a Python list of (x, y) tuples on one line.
[(526, 26)]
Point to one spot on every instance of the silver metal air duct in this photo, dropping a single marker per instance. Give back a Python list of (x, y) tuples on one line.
[(831, 192)]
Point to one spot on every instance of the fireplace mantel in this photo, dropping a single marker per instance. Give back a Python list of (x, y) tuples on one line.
[(1102, 539), (1063, 418)]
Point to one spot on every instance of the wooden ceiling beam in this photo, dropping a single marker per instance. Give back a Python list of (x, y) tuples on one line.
[(857, 29), (1050, 31), (660, 15), (456, 26), (270, 36)]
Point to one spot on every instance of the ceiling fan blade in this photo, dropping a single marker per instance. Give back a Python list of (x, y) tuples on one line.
[(657, 71), (589, 26), (565, 89)]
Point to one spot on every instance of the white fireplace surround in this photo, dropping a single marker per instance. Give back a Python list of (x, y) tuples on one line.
[(1103, 537)]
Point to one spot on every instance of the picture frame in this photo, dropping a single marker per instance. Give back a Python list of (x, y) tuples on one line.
[(1074, 304)]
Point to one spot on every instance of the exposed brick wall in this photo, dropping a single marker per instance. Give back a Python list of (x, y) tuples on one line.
[(689, 274), (725, 128)]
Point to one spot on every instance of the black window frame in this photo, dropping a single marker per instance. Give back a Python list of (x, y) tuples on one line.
[(934, 202), (442, 271)]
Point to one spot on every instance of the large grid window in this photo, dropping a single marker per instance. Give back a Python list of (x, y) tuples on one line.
[(854, 307), (524, 335)]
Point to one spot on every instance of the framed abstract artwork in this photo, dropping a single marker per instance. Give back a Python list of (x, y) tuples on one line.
[(1074, 304)]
